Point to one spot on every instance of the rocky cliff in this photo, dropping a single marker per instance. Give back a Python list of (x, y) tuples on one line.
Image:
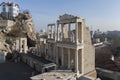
[(21, 26)]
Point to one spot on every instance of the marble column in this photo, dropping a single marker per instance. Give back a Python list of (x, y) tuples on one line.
[(77, 37), (69, 36), (52, 31), (68, 57), (54, 54), (20, 44), (25, 45), (57, 32), (80, 33), (62, 57), (57, 55), (48, 31), (45, 50), (62, 25), (82, 28), (50, 52), (76, 62), (83, 63)]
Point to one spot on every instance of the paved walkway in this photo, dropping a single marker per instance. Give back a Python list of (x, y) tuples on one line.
[(15, 71)]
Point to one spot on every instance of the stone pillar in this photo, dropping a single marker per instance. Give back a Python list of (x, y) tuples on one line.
[(82, 64), (45, 50), (40, 50), (68, 57), (17, 44), (77, 37), (20, 44), (51, 31), (57, 55), (54, 30), (54, 54), (37, 46), (76, 62), (80, 26), (48, 51), (50, 54), (25, 45), (48, 31), (62, 25), (57, 32), (62, 57), (69, 35), (82, 32)]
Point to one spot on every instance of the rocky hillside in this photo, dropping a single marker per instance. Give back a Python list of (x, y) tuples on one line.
[(21, 26)]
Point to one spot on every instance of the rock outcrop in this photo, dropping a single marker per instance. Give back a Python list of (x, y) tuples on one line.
[(21, 26)]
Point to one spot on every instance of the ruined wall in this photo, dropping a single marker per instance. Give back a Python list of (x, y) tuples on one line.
[(89, 52)]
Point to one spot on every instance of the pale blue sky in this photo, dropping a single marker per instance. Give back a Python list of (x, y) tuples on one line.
[(102, 14)]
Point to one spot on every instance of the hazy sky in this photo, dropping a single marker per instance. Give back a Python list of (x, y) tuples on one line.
[(99, 14)]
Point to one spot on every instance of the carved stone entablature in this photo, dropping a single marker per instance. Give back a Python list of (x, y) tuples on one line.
[(67, 17), (51, 24)]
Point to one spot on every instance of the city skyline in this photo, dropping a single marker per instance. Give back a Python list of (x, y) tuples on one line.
[(99, 14)]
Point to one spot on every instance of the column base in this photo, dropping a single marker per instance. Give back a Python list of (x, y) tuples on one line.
[(77, 73)]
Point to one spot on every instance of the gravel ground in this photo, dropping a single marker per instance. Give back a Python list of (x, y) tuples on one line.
[(15, 71)]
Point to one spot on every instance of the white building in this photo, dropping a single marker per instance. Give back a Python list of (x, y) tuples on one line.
[(9, 10)]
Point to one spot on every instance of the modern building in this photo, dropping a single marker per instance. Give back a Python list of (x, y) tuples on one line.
[(9, 10)]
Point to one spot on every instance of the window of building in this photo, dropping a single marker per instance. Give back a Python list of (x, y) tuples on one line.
[(4, 9), (10, 9)]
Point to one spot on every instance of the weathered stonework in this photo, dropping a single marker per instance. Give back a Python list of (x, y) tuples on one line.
[(21, 45), (70, 47), (5, 23)]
